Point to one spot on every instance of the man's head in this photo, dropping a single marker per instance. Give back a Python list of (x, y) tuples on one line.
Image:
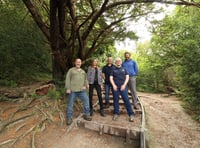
[(127, 55), (78, 63), (110, 60), (118, 62)]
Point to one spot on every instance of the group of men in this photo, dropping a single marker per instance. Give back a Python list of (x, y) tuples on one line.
[(118, 78)]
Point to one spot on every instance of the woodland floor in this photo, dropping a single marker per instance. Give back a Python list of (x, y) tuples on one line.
[(39, 122)]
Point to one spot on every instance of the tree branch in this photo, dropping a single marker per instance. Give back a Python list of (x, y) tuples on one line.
[(181, 2), (37, 18), (94, 19)]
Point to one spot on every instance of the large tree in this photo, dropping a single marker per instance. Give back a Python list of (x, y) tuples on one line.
[(76, 28)]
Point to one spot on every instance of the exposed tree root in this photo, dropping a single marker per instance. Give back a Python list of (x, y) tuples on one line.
[(4, 125), (50, 116), (5, 109), (46, 115), (43, 127), (29, 131), (33, 140), (42, 110), (23, 107), (61, 116), (6, 142), (20, 127), (23, 135), (9, 98)]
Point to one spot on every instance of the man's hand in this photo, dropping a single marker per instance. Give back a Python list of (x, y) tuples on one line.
[(114, 87), (84, 87), (68, 91), (123, 87)]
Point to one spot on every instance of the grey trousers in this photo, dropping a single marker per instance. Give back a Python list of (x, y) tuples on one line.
[(132, 87)]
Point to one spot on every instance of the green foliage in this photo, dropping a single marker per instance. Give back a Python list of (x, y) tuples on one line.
[(54, 94), (60, 88), (101, 54), (34, 95), (23, 50), (10, 83), (176, 45), (196, 117), (60, 91)]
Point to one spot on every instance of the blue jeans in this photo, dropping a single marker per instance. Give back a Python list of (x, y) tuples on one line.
[(82, 95), (125, 98), (108, 87)]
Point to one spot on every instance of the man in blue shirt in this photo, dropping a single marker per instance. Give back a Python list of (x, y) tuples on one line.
[(132, 68), (119, 78), (106, 76)]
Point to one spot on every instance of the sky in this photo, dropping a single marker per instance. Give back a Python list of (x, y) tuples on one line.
[(141, 29)]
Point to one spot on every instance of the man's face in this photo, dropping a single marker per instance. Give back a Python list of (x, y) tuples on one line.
[(127, 56), (118, 63), (78, 63), (109, 60)]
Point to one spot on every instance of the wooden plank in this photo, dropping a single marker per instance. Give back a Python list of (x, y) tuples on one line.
[(129, 134)]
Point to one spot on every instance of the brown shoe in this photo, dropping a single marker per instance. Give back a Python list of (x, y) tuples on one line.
[(87, 117)]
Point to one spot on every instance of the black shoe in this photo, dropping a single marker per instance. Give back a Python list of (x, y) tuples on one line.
[(107, 105), (69, 121), (87, 117), (102, 112), (91, 112)]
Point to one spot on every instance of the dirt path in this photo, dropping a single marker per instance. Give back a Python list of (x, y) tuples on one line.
[(81, 138), (168, 125)]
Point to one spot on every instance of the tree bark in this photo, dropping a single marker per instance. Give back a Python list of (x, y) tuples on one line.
[(57, 37)]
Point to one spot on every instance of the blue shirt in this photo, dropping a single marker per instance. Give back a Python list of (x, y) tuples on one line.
[(107, 71), (131, 67), (119, 76)]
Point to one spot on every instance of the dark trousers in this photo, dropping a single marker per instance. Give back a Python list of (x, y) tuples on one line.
[(98, 89)]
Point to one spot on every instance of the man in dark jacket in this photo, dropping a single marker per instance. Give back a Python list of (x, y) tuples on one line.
[(119, 78), (106, 76)]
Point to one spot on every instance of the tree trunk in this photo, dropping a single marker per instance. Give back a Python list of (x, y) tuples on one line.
[(57, 38)]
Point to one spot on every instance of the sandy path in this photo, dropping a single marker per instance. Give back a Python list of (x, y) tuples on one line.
[(168, 125)]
